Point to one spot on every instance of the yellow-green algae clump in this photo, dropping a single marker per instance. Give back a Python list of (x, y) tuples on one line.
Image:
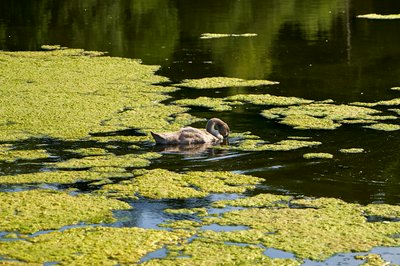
[(323, 116), (222, 82), (67, 94), (61, 177), (352, 150), (267, 99), (384, 127), (315, 229), (317, 155), (283, 145), (215, 104), (11, 155), (91, 246), (34, 210), (161, 184), (224, 35), (379, 16)]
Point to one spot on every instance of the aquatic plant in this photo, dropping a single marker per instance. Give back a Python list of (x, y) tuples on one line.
[(224, 35), (222, 82), (379, 16)]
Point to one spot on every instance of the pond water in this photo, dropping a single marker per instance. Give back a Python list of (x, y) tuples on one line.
[(316, 49)]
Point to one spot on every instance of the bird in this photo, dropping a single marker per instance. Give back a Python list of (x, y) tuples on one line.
[(216, 131)]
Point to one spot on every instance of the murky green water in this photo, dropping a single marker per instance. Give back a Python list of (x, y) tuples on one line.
[(316, 49)]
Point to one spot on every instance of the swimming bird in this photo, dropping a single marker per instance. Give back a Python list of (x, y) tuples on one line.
[(216, 131)]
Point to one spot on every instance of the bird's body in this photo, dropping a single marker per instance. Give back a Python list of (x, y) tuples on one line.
[(216, 130)]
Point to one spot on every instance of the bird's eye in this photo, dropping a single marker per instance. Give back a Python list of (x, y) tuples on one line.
[(216, 127)]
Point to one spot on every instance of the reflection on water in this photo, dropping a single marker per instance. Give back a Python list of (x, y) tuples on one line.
[(316, 50)]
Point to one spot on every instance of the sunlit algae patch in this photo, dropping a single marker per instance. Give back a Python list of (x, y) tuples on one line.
[(91, 246), (319, 155), (222, 82), (34, 210), (379, 16), (70, 93), (323, 116), (224, 35), (162, 184), (309, 228)]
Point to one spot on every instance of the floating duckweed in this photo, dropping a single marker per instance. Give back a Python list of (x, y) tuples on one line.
[(160, 184), (182, 224), (89, 151), (379, 16), (323, 116), (92, 246), (196, 211), (199, 252), (395, 110), (47, 47), (224, 35), (372, 260), (299, 137), (34, 210), (321, 229), (110, 160), (59, 177), (383, 210), (89, 94), (267, 99), (352, 150), (215, 104), (222, 82), (10, 155), (284, 145), (319, 155), (260, 200), (384, 127), (395, 101), (395, 88)]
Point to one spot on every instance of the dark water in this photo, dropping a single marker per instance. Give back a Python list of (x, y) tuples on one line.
[(316, 50)]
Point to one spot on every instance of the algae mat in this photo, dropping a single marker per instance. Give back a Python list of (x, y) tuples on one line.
[(70, 93)]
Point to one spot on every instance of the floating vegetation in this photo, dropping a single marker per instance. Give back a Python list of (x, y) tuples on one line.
[(90, 94), (315, 229), (323, 116), (379, 16), (89, 151), (91, 245), (267, 99), (109, 160), (215, 104), (352, 150), (62, 177), (395, 88), (395, 101), (260, 200), (372, 260), (320, 155), (164, 184), (225, 35), (197, 211), (34, 210), (283, 145), (222, 82), (384, 127), (11, 155), (200, 252), (395, 110)]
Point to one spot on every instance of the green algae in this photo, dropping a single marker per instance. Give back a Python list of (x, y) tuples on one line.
[(267, 99), (222, 82), (319, 155), (197, 211), (395, 88), (35, 210), (316, 229), (384, 127), (11, 155), (162, 184), (395, 110), (395, 101), (182, 224), (283, 145), (379, 16), (200, 252), (372, 260), (352, 150), (70, 93), (109, 160), (323, 116), (224, 35), (92, 246), (215, 104), (61, 177), (89, 151), (260, 200)]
